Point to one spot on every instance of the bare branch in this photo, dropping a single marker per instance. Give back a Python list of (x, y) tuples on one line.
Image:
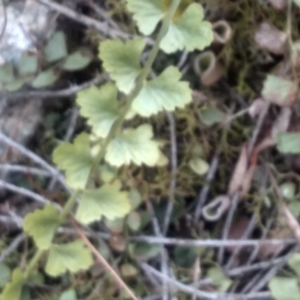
[(172, 185), (25, 192), (12, 247), (203, 294), (25, 170), (67, 92), (208, 242), (34, 158)]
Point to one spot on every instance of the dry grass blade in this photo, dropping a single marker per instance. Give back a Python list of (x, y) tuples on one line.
[(100, 259), (239, 172)]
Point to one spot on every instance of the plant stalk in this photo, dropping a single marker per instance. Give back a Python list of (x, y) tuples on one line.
[(117, 125), (140, 81)]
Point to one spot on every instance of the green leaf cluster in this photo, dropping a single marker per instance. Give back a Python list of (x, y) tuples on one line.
[(133, 93), (287, 288), (187, 31), (71, 257), (57, 59)]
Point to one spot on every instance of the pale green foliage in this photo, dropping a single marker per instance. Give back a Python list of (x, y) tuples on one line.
[(294, 263), (116, 226), (188, 32), (5, 274), (100, 106), (76, 160), (133, 145), (220, 280), (6, 73), (185, 257), (71, 257), (297, 2), (128, 270), (198, 165), (28, 64), (107, 173), (106, 201), (68, 295), (122, 61), (13, 289), (211, 115), (284, 288), (135, 198), (41, 225), (78, 60), (288, 190), (56, 47), (134, 221), (280, 91), (143, 251), (147, 14), (288, 142), (46, 78), (165, 92)]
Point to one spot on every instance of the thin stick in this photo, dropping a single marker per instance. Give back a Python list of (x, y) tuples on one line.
[(257, 129), (258, 266), (185, 288), (4, 20), (183, 58), (257, 248), (201, 199), (207, 242), (227, 225), (266, 278), (34, 158), (289, 36), (245, 235), (102, 260), (289, 217), (12, 247), (163, 254), (64, 93), (251, 283), (89, 22), (25, 170), (172, 185), (178, 242), (25, 192), (72, 125), (102, 14), (206, 295)]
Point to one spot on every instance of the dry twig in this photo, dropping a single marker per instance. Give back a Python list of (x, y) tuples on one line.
[(100, 259)]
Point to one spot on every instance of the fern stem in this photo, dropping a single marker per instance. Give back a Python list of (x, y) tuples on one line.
[(139, 84), (33, 263), (68, 206), (117, 125)]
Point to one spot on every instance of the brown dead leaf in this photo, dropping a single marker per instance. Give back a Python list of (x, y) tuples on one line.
[(237, 230), (270, 38), (247, 180), (256, 107), (239, 172), (264, 144)]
